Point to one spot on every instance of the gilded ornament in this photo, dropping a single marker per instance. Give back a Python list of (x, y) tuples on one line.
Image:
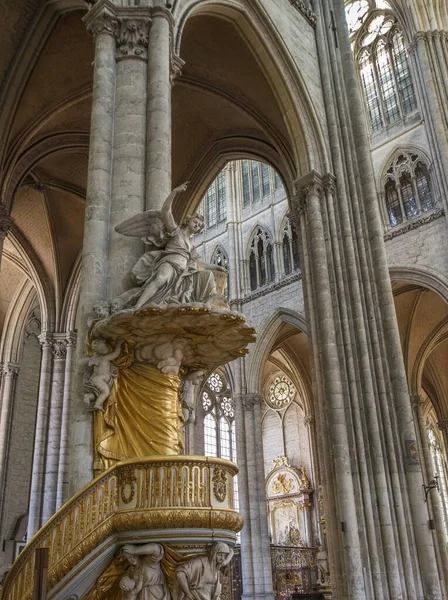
[(219, 481), (282, 484)]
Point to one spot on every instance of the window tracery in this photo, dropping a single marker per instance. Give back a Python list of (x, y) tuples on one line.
[(219, 421), (407, 189), (281, 392), (380, 52), (261, 259), (220, 258), (290, 248)]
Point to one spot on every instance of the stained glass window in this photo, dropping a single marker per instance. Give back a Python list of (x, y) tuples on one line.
[(246, 184), (219, 421), (214, 202), (407, 188), (384, 72)]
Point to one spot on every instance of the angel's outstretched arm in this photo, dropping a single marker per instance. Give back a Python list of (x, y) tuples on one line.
[(166, 213)]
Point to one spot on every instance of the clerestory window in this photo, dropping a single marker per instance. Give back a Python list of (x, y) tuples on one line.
[(383, 63)]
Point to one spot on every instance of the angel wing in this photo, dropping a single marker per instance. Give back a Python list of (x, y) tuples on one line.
[(148, 226)]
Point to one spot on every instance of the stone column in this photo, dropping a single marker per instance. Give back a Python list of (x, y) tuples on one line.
[(418, 403), (233, 224), (62, 483), (309, 205), (158, 160), (5, 224), (402, 476), (129, 152), (9, 378), (101, 23), (255, 545), (40, 440), (59, 352)]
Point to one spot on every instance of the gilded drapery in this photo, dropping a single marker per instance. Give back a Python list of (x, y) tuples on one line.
[(143, 416)]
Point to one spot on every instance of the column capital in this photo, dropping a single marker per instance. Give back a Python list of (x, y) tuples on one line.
[(310, 184), (45, 338), (5, 221), (59, 347), (176, 65), (132, 37), (71, 338), (329, 183), (101, 20), (249, 401), (10, 369)]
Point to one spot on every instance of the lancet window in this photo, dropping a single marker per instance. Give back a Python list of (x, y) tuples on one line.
[(219, 420), (290, 248), (215, 202), (261, 259), (407, 188), (439, 466), (259, 180), (220, 258), (383, 62)]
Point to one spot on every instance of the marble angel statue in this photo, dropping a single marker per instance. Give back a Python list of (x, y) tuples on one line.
[(98, 385), (170, 271)]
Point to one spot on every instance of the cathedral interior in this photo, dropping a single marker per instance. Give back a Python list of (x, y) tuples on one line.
[(313, 137)]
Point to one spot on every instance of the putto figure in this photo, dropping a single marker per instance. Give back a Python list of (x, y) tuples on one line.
[(170, 271), (98, 385)]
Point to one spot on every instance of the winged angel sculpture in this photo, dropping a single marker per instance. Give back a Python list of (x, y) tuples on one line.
[(170, 271)]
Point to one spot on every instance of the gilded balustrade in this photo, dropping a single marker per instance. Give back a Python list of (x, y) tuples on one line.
[(150, 493)]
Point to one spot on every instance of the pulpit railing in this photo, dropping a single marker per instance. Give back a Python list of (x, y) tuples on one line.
[(150, 493)]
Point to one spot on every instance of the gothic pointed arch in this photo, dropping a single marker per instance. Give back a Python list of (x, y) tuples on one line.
[(260, 257)]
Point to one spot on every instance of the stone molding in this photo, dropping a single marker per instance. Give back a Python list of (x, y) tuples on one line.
[(267, 290), (414, 224), (425, 36), (249, 401), (304, 7), (5, 222)]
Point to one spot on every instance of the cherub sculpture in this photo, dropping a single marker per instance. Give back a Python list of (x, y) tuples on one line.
[(168, 272), (98, 385)]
